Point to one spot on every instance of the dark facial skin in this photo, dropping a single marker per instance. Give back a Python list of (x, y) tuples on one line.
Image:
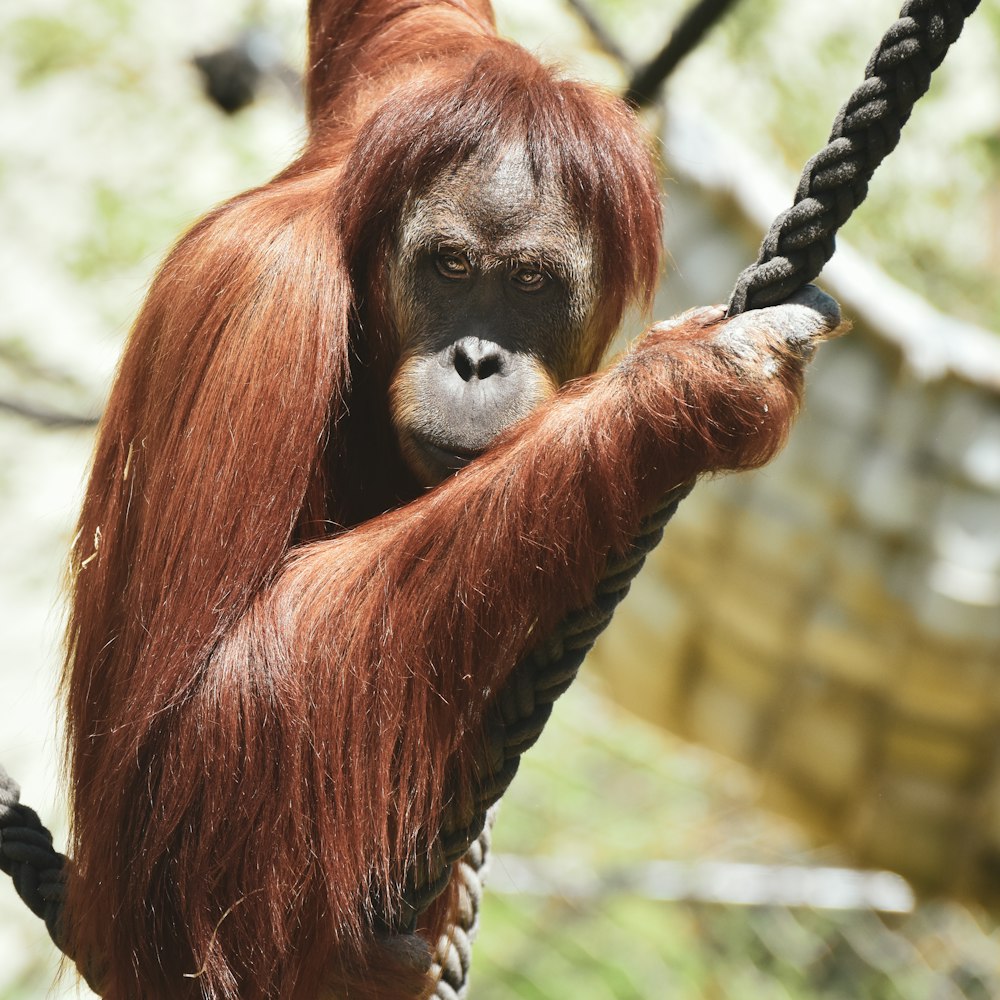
[(492, 289)]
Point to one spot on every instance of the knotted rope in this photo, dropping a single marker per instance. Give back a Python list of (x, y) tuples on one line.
[(800, 242), (523, 706), (28, 857), (453, 958), (867, 128)]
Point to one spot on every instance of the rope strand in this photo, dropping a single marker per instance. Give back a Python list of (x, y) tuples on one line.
[(28, 857), (835, 181)]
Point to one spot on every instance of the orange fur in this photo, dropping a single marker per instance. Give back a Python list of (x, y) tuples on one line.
[(278, 648)]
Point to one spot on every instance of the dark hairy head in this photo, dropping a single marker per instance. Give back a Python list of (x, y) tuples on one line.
[(500, 221), (492, 290)]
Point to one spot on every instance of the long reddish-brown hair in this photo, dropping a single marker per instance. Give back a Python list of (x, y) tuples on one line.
[(257, 737)]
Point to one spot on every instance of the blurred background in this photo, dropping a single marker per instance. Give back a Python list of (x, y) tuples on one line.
[(778, 774)]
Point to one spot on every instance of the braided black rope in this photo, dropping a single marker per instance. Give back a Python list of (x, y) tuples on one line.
[(522, 708), (28, 857), (867, 128)]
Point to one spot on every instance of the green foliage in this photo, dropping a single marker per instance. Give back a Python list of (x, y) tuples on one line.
[(44, 46), (604, 791)]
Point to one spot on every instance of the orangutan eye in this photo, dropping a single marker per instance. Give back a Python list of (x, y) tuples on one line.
[(453, 265), (529, 279)]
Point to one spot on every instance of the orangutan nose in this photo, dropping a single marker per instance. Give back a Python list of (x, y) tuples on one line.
[(479, 359)]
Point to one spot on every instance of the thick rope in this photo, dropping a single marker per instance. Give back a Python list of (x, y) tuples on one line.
[(800, 242), (835, 181), (453, 958), (28, 857), (522, 708)]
